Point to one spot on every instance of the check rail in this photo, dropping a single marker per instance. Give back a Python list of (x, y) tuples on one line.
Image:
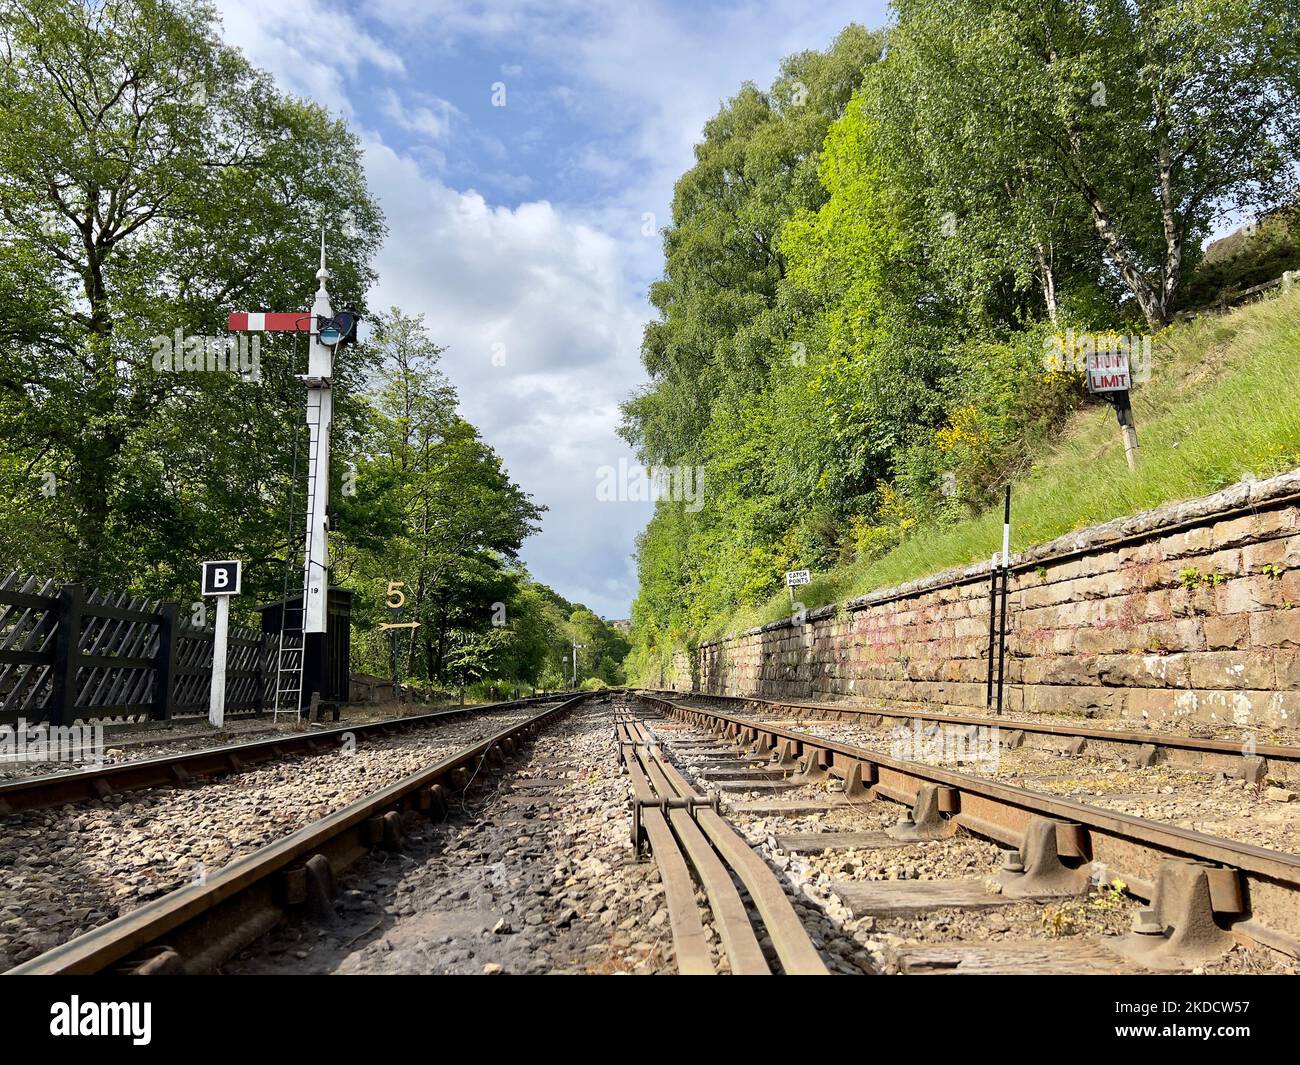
[(683, 827)]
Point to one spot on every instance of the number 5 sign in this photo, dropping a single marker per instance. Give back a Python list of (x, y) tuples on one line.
[(396, 600)]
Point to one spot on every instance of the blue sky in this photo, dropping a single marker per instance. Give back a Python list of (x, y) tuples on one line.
[(519, 231)]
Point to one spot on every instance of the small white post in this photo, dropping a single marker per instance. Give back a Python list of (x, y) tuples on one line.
[(217, 704), (576, 646)]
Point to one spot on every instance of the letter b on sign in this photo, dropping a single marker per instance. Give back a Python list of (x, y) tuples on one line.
[(222, 578)]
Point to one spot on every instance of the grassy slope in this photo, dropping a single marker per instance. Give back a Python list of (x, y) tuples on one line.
[(1222, 405)]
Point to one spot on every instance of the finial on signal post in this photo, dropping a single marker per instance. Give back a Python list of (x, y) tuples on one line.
[(322, 275)]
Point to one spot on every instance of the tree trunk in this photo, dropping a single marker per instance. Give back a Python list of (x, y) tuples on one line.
[(1153, 303), (1168, 217), (1047, 276)]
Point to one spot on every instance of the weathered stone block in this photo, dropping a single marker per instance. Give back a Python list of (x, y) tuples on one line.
[(1227, 632), (1235, 532), (1275, 628), (1143, 671), (1232, 670), (1286, 668), (1192, 542)]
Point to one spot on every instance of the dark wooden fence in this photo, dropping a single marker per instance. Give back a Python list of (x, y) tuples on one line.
[(73, 654)]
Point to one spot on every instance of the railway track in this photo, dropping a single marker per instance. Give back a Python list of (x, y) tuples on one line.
[(1245, 758), (1203, 892), (180, 767), (634, 833), (681, 827), (1239, 795), (196, 927)]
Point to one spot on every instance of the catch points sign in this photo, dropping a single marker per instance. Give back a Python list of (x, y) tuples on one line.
[(797, 576)]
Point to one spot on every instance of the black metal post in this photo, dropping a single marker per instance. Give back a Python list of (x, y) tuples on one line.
[(993, 612), (164, 672), (67, 654), (261, 668), (314, 680), (1006, 579)]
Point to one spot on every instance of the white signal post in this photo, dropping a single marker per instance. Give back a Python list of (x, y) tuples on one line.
[(221, 580), (320, 414), (221, 630)]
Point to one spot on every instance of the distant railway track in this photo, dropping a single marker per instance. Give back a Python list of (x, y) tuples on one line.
[(195, 928), (1252, 891), (101, 781), (1142, 747)]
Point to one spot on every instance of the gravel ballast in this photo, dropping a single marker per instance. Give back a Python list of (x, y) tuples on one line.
[(68, 869)]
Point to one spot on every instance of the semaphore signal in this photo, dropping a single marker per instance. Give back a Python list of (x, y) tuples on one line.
[(327, 332)]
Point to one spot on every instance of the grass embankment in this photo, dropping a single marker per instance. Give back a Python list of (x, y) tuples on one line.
[(1222, 406)]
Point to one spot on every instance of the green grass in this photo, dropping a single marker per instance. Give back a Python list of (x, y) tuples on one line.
[(1222, 406)]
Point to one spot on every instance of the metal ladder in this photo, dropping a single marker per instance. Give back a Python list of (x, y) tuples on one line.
[(291, 649)]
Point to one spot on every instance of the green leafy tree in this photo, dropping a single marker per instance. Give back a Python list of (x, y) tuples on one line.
[(719, 324), (457, 520), (726, 338), (1153, 115), (151, 181)]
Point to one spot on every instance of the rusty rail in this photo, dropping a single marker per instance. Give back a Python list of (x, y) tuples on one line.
[(57, 789), (1257, 889), (195, 928), (1179, 749)]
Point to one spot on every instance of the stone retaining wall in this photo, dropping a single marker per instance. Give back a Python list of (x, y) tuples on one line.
[(1188, 612)]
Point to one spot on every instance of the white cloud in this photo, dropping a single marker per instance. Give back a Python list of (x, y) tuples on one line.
[(428, 116), (551, 291), (313, 49)]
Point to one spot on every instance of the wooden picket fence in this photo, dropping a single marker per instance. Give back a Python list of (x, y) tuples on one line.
[(70, 654)]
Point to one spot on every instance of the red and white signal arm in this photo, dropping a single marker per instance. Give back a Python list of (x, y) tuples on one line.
[(268, 322), (223, 577)]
